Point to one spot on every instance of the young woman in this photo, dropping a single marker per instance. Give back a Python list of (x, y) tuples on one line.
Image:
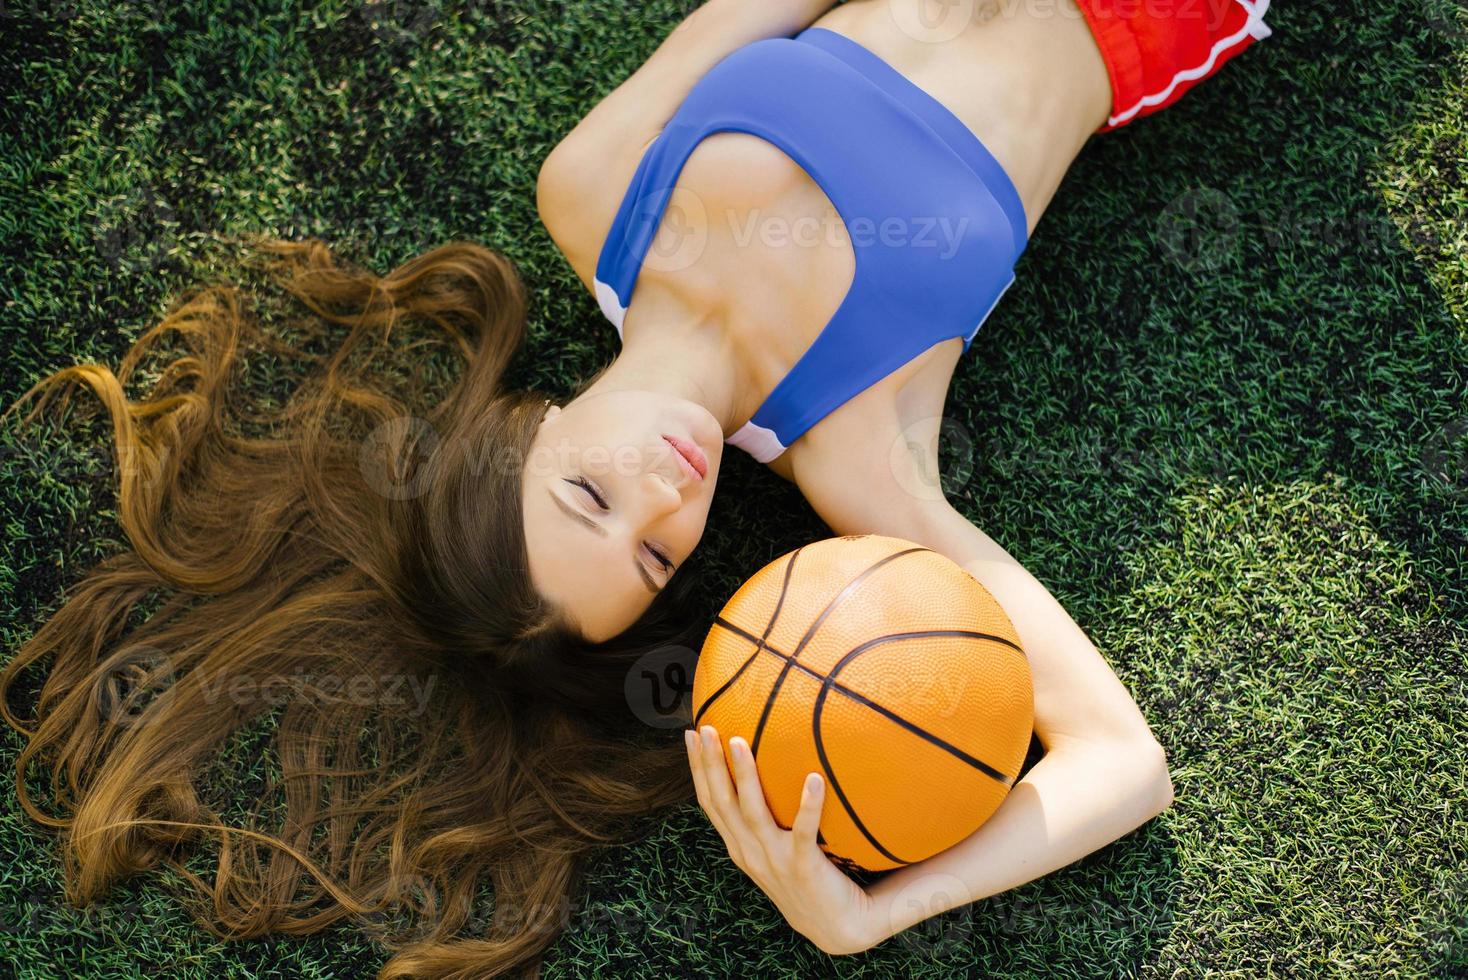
[(678, 200), (797, 216)]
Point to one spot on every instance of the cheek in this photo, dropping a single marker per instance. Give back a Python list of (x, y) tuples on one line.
[(600, 453), (698, 523)]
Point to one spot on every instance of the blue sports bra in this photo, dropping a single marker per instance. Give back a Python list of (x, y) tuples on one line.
[(934, 222)]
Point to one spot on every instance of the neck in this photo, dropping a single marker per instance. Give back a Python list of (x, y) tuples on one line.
[(688, 356)]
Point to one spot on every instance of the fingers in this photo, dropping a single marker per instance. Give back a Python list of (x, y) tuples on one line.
[(751, 794), (737, 807), (695, 765), (808, 817), (716, 773), (716, 792)]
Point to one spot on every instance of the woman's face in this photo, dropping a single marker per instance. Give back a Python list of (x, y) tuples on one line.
[(606, 493)]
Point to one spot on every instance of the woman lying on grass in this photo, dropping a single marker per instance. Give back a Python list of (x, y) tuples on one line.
[(796, 216)]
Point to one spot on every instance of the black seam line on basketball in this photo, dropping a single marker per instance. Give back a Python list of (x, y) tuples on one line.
[(829, 680), (836, 600), (953, 750), (758, 643), (740, 630), (815, 731)]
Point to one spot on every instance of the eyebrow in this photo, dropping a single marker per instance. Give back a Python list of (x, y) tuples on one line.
[(652, 586)]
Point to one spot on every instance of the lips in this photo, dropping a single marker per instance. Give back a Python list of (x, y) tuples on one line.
[(691, 454)]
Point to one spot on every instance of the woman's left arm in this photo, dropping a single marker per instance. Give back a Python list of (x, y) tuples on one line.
[(1103, 774), (1075, 800)]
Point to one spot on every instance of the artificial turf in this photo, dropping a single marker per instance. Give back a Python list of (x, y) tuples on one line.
[(1222, 415)]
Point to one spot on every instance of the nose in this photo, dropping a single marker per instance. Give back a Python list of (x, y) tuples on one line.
[(660, 494)]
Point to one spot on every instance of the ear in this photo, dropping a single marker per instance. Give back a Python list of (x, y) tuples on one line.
[(551, 413)]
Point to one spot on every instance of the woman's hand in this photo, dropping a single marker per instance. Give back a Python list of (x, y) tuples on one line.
[(816, 897)]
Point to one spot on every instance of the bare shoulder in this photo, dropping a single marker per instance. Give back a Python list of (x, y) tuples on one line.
[(582, 181), (865, 472)]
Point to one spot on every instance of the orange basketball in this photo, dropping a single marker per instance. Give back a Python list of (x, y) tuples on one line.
[(891, 671)]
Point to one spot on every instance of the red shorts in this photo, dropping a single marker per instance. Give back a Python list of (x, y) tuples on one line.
[(1155, 50)]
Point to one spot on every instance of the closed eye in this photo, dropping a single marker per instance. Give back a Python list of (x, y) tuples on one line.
[(664, 562), (590, 488)]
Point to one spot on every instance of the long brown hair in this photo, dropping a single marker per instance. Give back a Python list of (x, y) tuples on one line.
[(346, 565)]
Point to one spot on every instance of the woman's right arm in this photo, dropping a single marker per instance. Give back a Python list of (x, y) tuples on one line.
[(582, 181)]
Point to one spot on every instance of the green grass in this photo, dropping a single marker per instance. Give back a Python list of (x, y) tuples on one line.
[(1222, 414)]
